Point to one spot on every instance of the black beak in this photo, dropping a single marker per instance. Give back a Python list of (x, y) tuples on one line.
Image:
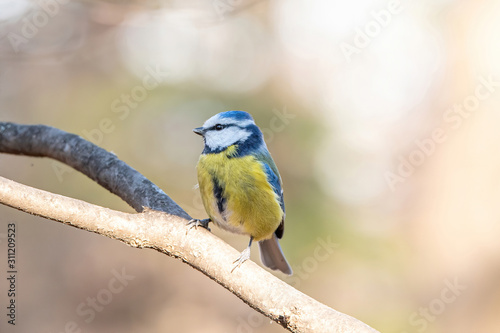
[(199, 131)]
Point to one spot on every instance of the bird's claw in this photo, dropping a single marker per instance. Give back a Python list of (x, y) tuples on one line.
[(244, 256), (195, 223)]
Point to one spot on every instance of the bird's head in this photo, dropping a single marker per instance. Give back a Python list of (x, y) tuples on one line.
[(228, 128)]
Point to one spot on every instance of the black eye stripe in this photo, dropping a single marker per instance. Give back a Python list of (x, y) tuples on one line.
[(219, 127)]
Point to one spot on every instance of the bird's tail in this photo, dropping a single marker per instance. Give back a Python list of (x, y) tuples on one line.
[(272, 256)]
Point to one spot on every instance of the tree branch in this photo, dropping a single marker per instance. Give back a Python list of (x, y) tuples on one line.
[(166, 233), (94, 162)]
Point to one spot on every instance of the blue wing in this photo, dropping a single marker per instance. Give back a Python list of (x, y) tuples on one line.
[(273, 177)]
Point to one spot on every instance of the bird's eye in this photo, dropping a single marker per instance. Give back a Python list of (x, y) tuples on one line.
[(218, 127)]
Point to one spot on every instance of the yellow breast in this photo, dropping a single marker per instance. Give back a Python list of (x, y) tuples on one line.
[(250, 205)]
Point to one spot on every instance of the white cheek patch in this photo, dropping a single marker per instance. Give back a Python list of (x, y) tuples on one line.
[(226, 137)]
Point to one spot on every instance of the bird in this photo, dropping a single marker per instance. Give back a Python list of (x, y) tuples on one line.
[(241, 187)]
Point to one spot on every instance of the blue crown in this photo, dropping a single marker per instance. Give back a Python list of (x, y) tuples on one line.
[(237, 115)]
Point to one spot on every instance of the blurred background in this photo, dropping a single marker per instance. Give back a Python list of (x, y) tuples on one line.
[(382, 117)]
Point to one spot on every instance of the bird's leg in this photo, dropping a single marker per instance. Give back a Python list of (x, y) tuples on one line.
[(244, 256), (195, 223)]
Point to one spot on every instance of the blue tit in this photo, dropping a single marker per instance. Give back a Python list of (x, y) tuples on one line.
[(240, 185)]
